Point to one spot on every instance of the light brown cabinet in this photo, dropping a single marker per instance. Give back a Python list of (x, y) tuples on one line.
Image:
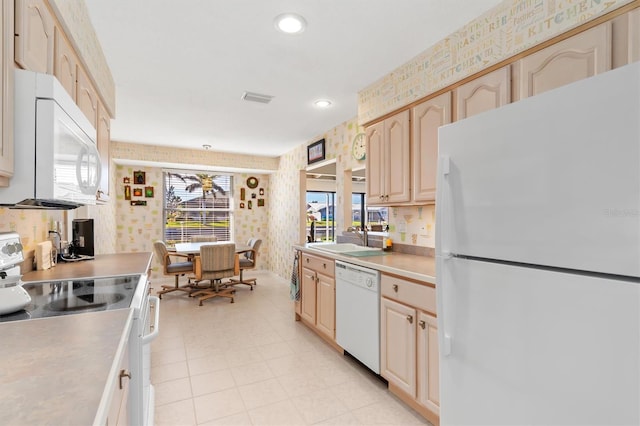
[(485, 93), (6, 104), (388, 160), (34, 33), (86, 97), (65, 64), (103, 129), (583, 55), (409, 343), (425, 120), (318, 294)]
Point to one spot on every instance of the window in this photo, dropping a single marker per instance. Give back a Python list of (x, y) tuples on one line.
[(197, 203), (376, 217), (320, 216)]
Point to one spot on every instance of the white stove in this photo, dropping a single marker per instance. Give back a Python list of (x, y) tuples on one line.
[(12, 296)]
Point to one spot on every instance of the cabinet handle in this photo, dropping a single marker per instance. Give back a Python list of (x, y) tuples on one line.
[(324, 265), (307, 260), (410, 319), (382, 198), (422, 324), (395, 288), (123, 373)]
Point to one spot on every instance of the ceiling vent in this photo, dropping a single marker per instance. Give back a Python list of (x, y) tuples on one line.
[(256, 97)]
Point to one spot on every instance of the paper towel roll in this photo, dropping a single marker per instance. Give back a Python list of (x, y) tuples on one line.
[(43, 255)]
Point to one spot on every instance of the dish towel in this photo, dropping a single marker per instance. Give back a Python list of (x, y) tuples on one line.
[(294, 289)]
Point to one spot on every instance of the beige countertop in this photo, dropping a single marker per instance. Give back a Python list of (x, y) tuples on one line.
[(103, 265), (420, 268), (57, 371)]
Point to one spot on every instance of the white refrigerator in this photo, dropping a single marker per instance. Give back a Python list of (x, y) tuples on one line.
[(538, 259)]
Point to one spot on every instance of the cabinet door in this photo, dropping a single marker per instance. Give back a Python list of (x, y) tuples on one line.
[(6, 101), (374, 163), (485, 93), (426, 118), (118, 410), (65, 64), (34, 36), (398, 345), (428, 363), (308, 294), (103, 139), (86, 97), (581, 56), (326, 305), (397, 168)]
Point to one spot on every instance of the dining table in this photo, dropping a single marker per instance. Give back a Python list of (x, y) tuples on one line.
[(193, 251)]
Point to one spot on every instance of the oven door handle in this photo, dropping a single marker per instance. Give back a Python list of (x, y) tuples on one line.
[(156, 320)]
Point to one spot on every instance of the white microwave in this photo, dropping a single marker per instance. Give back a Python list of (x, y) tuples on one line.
[(56, 160)]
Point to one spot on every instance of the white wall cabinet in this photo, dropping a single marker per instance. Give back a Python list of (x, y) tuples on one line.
[(388, 161)]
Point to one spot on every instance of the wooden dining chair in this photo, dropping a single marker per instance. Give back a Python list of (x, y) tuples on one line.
[(247, 260), (214, 263), (171, 267)]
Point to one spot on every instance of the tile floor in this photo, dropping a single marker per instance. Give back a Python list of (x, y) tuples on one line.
[(250, 363)]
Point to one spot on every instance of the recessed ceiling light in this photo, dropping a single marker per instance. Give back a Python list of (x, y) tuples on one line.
[(322, 103), (206, 147), (290, 23)]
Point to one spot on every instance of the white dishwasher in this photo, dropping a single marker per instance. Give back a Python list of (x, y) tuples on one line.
[(358, 313)]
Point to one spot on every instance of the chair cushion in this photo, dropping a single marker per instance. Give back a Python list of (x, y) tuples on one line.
[(180, 267), (246, 263)]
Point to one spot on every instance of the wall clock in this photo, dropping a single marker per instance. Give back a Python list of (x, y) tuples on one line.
[(359, 147), (252, 182)]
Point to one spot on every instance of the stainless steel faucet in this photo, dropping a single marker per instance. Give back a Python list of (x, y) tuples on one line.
[(364, 235)]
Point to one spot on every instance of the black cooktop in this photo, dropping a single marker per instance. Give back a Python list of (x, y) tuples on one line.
[(49, 299)]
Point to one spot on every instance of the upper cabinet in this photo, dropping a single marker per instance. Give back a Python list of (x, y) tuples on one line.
[(425, 120), (103, 129), (583, 55), (388, 160), (488, 92), (34, 28), (6, 104), (65, 63), (86, 97)]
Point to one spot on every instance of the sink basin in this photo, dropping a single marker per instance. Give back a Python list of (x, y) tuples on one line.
[(345, 248)]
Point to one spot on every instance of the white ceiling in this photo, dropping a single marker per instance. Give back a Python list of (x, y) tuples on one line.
[(181, 66)]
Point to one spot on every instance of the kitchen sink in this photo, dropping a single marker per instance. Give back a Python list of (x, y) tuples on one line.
[(344, 248)]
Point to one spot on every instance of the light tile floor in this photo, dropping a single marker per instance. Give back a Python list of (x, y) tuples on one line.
[(250, 363)]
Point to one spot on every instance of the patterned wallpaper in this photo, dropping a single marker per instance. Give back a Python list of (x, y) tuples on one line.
[(137, 227), (511, 27)]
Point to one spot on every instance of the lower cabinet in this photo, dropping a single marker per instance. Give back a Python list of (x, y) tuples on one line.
[(118, 410), (318, 295), (409, 344)]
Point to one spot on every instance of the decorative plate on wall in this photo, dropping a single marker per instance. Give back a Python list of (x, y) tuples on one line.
[(252, 182)]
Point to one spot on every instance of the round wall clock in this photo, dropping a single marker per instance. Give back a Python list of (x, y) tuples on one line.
[(359, 147), (252, 182)]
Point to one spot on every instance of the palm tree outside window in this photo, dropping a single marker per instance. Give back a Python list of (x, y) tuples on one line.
[(197, 203)]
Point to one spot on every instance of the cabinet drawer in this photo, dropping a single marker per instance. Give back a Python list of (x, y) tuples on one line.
[(319, 264), (420, 296)]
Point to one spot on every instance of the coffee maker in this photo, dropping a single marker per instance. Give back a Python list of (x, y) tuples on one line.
[(82, 237)]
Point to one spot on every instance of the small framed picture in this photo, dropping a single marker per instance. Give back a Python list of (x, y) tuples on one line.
[(253, 195), (127, 192), (126, 179), (137, 192), (261, 191), (242, 194), (249, 204), (139, 177), (315, 152), (242, 205), (138, 203), (148, 191), (260, 202)]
